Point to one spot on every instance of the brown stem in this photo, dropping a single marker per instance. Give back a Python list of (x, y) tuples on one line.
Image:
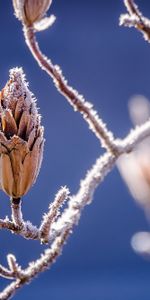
[(16, 212), (136, 19), (132, 8), (15, 201)]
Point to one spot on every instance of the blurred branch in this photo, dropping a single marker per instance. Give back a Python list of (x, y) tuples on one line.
[(135, 18)]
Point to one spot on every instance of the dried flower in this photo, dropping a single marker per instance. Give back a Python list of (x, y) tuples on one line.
[(135, 167), (21, 136), (31, 11)]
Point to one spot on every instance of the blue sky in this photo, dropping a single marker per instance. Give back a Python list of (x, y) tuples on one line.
[(107, 64)]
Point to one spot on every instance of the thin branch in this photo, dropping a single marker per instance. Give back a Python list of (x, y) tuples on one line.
[(76, 100), (94, 177), (7, 224), (135, 137), (14, 270), (11, 289), (135, 18), (14, 267), (132, 8), (48, 257), (52, 214), (62, 227), (97, 173), (34, 268), (28, 231), (83, 197), (126, 145), (4, 272)]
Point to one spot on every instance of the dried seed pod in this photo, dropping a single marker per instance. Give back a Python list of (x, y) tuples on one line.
[(21, 136), (31, 11)]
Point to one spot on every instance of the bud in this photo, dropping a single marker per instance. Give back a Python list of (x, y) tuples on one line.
[(31, 11), (21, 136)]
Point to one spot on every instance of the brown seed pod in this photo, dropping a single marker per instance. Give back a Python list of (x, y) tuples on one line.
[(21, 136), (31, 11)]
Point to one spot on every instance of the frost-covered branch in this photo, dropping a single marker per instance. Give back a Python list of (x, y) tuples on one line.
[(44, 262), (135, 137), (61, 228), (4, 272), (25, 228), (52, 227), (50, 217), (11, 289), (27, 231), (134, 18), (84, 196), (74, 98), (13, 266), (67, 220)]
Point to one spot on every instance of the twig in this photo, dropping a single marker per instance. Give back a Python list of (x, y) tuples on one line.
[(97, 173), (48, 257), (94, 177), (132, 8), (14, 267), (76, 204), (135, 18), (7, 224), (83, 197), (76, 100), (126, 145), (28, 231), (135, 137), (34, 268), (11, 289), (52, 214), (4, 272)]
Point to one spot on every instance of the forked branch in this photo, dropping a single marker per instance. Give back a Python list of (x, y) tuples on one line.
[(60, 228), (135, 18)]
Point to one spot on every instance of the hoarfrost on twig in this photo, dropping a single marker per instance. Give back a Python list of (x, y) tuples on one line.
[(135, 18)]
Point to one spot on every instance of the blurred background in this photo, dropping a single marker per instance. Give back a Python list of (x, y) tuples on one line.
[(108, 64)]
